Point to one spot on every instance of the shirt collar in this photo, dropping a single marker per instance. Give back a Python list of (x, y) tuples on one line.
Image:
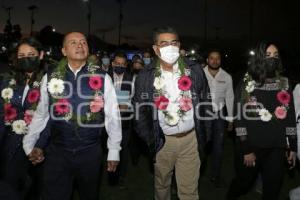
[(76, 71), (209, 74), (175, 68)]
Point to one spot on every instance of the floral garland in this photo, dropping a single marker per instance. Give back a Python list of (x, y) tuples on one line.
[(283, 97), (62, 106), (20, 126), (173, 110)]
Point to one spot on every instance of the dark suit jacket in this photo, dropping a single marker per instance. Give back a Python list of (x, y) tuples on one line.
[(148, 127)]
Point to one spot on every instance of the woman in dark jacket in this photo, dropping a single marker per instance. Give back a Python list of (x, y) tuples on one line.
[(265, 125), (19, 98)]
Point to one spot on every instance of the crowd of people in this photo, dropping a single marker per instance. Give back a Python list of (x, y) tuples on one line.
[(58, 119)]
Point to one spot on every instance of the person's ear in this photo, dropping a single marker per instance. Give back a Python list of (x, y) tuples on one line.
[(156, 50), (63, 51)]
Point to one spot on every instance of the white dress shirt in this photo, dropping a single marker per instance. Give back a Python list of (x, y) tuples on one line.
[(186, 123), (221, 91), (112, 119), (118, 81), (296, 95)]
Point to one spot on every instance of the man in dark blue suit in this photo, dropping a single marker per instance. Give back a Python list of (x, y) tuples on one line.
[(80, 100), (7, 193)]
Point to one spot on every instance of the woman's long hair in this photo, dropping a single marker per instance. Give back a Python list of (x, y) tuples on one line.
[(257, 64), (19, 75)]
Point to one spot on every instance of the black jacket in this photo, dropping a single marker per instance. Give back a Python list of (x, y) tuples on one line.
[(148, 128)]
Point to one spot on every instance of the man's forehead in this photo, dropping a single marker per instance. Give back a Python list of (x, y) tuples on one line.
[(167, 37), (120, 59), (75, 36)]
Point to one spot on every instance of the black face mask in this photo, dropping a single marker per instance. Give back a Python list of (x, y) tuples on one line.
[(271, 65), (28, 64), (119, 69)]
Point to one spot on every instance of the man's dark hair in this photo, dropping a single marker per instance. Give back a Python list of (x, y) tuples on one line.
[(257, 63), (214, 50), (161, 30), (31, 41), (120, 55)]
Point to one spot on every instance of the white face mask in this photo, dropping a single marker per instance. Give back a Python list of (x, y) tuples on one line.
[(169, 54)]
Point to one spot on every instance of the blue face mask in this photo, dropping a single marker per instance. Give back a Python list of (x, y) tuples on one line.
[(119, 69), (147, 61), (105, 61)]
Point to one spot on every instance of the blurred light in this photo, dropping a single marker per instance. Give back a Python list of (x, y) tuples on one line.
[(3, 48), (252, 53), (48, 53), (226, 55), (53, 30), (193, 51)]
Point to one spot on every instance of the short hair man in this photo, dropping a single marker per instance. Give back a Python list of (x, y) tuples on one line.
[(165, 89), (81, 91)]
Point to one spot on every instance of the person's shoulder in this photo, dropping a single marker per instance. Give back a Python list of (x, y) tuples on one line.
[(225, 74), (285, 82), (147, 69), (191, 63)]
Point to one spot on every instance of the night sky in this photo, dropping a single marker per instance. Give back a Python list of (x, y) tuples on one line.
[(226, 19)]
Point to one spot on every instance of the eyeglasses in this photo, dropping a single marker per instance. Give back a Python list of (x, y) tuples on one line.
[(167, 43)]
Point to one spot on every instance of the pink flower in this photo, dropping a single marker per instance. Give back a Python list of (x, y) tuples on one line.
[(95, 82), (62, 106), (184, 83), (284, 97), (185, 103), (33, 96), (161, 102), (97, 104), (280, 112), (28, 116), (10, 113)]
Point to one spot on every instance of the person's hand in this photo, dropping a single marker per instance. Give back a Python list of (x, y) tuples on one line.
[(291, 158), (36, 156), (112, 165), (249, 160), (230, 126)]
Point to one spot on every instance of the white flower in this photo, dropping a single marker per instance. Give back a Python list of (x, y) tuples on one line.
[(12, 82), (56, 86), (187, 72), (246, 77), (19, 127), (88, 116), (250, 86), (172, 118), (7, 93), (159, 83), (7, 123), (265, 115), (173, 107), (67, 117), (36, 84)]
